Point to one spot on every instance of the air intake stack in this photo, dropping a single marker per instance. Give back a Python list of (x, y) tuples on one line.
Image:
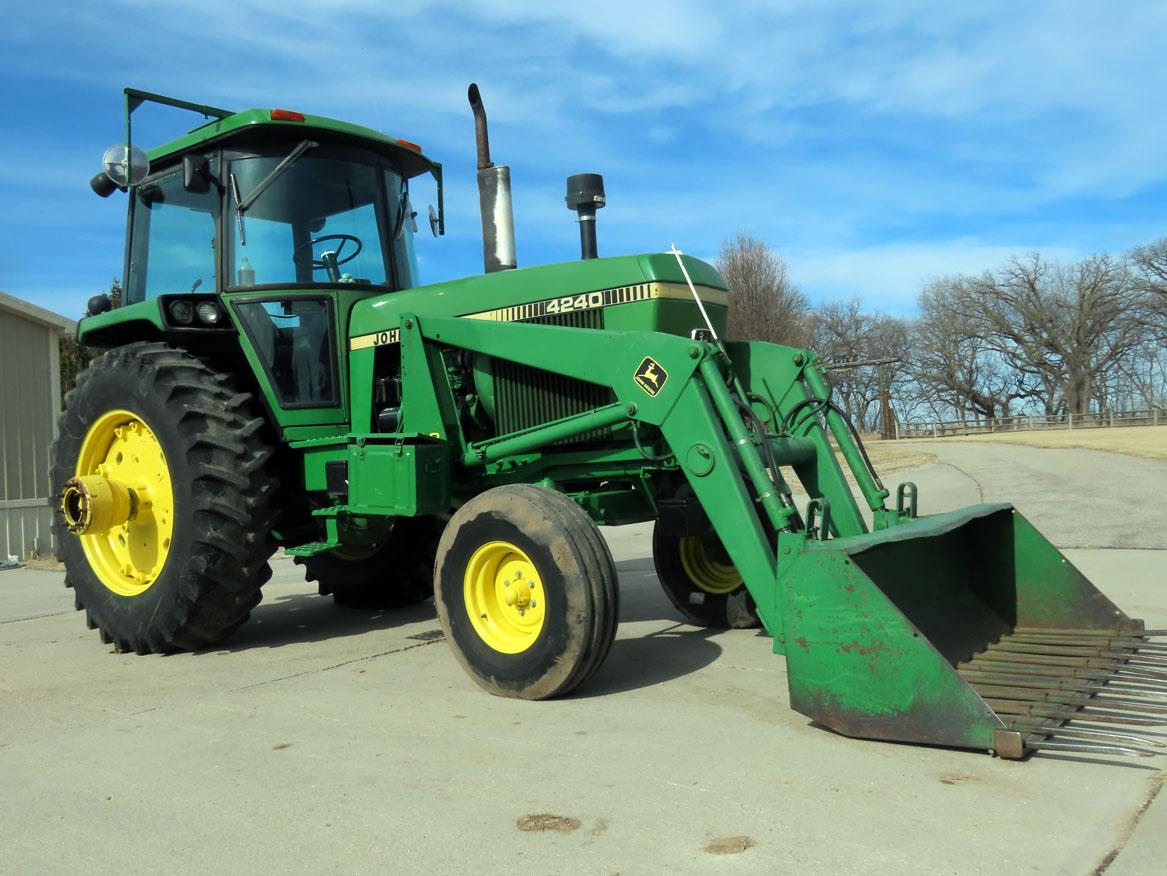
[(585, 195)]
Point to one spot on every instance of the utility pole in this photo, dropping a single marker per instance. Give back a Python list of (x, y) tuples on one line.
[(887, 430)]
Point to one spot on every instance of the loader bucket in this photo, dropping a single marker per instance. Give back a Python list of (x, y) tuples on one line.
[(966, 629)]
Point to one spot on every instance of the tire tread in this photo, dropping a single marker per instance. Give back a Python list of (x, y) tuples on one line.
[(232, 515)]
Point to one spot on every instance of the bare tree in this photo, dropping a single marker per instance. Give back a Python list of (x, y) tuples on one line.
[(1149, 268), (1034, 334), (1151, 262), (73, 356), (953, 364), (1064, 327), (839, 334), (842, 333), (764, 304)]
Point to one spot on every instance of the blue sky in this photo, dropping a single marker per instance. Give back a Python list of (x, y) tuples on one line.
[(874, 145)]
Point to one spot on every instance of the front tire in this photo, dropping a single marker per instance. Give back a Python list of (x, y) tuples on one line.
[(185, 569), (526, 592), (701, 584)]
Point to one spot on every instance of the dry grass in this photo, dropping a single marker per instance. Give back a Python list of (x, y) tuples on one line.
[(889, 457), (44, 564), (1148, 442)]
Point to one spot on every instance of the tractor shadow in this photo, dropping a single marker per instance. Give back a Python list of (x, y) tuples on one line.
[(659, 656), (635, 661), (302, 618)]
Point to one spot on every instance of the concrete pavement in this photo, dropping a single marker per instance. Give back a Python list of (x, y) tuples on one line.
[(322, 740)]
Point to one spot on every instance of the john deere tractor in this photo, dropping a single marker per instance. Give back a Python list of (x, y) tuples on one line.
[(275, 377)]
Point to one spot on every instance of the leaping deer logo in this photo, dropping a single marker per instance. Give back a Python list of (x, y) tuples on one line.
[(650, 376)]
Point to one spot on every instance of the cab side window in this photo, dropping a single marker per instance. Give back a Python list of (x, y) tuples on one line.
[(293, 339), (172, 244)]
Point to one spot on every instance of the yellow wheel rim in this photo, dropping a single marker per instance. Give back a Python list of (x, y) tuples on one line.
[(504, 597), (128, 557), (709, 575)]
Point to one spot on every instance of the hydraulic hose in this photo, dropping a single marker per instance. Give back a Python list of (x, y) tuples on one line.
[(788, 426)]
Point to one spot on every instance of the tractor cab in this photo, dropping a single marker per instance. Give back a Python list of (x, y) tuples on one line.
[(281, 212), (268, 225)]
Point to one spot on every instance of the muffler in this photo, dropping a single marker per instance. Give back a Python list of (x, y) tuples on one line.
[(494, 197)]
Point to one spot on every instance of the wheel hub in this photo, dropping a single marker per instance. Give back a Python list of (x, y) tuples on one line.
[(120, 503), (96, 504)]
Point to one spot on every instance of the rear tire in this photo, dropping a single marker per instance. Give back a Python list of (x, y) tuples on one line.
[(526, 592), (399, 573), (707, 592), (205, 556)]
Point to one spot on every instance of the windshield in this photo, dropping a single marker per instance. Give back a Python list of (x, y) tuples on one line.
[(320, 219)]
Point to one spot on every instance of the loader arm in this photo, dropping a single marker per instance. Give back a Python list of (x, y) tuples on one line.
[(964, 629), (696, 405)]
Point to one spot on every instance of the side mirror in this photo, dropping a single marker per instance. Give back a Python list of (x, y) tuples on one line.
[(196, 174), (102, 185), (433, 220)]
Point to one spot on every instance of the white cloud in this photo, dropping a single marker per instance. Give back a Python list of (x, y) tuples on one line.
[(831, 129)]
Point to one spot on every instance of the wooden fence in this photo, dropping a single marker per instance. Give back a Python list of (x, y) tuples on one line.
[(1104, 420)]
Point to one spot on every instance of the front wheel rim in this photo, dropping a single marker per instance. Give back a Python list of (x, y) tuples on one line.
[(129, 557), (710, 576), (505, 597)]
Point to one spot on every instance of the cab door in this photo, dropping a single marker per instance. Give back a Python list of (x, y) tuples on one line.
[(290, 340)]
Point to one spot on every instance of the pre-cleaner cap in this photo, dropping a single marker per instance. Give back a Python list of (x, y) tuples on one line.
[(585, 190)]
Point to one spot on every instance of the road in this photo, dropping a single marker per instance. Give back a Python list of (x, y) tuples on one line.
[(1079, 498), (322, 740)]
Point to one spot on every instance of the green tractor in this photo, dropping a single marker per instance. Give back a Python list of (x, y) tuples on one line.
[(274, 377)]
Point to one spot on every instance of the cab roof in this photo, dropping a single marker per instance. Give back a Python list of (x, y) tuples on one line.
[(253, 121)]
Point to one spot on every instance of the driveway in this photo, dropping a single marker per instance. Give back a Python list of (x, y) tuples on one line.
[(326, 740)]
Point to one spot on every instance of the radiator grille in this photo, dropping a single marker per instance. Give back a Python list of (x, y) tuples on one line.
[(526, 396)]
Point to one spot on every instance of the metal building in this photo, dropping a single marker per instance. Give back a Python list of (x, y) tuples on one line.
[(30, 398)]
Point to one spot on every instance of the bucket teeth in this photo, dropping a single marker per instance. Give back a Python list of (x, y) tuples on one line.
[(992, 676), (1141, 745), (1086, 748), (1113, 643), (1103, 653), (1132, 632), (1041, 670), (1032, 728), (1044, 683), (1068, 698), (1064, 713), (1079, 662)]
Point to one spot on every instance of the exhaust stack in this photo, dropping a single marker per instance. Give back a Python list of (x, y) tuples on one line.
[(494, 197)]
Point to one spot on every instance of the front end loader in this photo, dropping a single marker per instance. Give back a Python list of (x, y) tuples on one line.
[(290, 385)]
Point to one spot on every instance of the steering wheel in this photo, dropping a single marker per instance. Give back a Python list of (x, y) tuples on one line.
[(330, 260)]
